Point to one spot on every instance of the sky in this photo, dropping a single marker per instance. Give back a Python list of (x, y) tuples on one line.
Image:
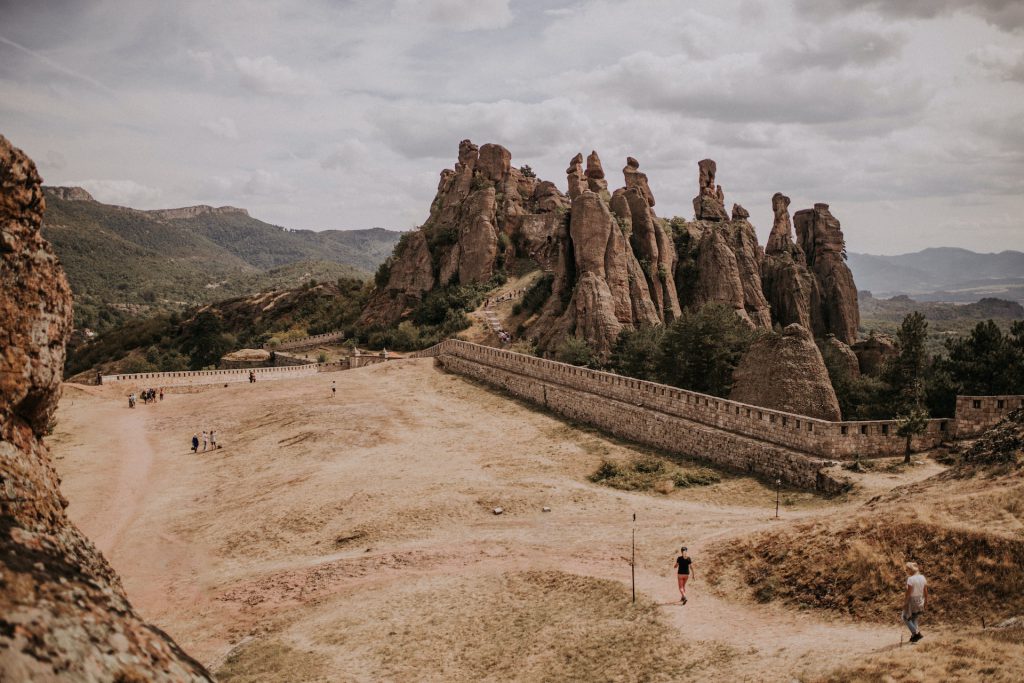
[(906, 116)]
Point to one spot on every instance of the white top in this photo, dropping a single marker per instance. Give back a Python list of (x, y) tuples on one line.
[(916, 583)]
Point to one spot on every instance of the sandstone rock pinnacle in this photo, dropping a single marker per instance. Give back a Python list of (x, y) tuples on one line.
[(709, 204)]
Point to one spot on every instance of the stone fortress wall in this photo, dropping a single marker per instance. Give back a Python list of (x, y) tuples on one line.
[(975, 414), (307, 342), (229, 376), (771, 443)]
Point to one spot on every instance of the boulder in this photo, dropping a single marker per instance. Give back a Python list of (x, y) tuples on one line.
[(786, 372), (595, 174), (637, 179), (838, 354), (63, 612), (873, 352), (575, 177)]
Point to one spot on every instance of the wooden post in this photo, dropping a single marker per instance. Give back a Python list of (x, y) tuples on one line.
[(632, 562), (778, 483)]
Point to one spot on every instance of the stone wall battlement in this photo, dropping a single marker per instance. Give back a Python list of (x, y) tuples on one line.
[(304, 342)]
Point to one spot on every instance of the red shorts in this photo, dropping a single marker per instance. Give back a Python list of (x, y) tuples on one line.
[(682, 583)]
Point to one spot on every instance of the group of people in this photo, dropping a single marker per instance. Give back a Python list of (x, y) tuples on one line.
[(209, 440), (507, 296), (148, 396), (914, 598)]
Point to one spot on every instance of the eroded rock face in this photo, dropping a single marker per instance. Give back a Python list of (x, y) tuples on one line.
[(709, 204), (785, 279), (63, 612), (873, 352), (837, 352), (786, 372), (834, 307)]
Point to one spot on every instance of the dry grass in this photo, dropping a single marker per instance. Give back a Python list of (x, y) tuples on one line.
[(271, 660), (944, 658), (651, 474), (517, 626)]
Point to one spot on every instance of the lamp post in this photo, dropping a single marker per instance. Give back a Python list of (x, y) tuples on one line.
[(778, 483), (632, 561)]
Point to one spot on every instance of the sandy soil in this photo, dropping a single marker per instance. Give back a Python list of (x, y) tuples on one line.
[(353, 538)]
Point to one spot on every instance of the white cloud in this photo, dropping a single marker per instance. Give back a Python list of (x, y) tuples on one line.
[(223, 126), (267, 75), (120, 192), (456, 15)]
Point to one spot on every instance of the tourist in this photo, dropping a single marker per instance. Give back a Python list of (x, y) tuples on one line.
[(161, 393), (195, 443), (213, 441), (914, 600), (334, 388), (684, 567), (131, 400), (205, 439)]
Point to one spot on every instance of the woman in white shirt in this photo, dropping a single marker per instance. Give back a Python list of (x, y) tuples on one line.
[(914, 600)]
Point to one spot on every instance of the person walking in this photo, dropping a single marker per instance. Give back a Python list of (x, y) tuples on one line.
[(914, 600), (684, 570), (206, 439), (334, 389), (195, 443), (213, 440), (161, 393)]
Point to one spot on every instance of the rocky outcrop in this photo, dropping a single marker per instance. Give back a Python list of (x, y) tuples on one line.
[(614, 263), (719, 260), (63, 612), (873, 353), (839, 355), (71, 194), (486, 212), (786, 372), (785, 279), (709, 204), (186, 212), (833, 295)]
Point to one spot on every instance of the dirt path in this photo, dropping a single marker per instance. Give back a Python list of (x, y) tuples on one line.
[(320, 507)]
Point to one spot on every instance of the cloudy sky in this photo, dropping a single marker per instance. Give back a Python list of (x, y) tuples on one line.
[(906, 116)]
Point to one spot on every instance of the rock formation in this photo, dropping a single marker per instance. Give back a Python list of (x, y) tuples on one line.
[(873, 352), (63, 612), (709, 204), (833, 295), (786, 372), (719, 260), (785, 278), (614, 263), (838, 354)]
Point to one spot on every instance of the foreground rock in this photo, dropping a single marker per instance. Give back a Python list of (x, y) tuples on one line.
[(63, 612), (786, 372)]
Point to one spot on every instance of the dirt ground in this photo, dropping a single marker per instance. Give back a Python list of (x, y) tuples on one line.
[(352, 538)]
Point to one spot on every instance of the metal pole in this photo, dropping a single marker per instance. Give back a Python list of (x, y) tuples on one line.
[(632, 562), (778, 483)]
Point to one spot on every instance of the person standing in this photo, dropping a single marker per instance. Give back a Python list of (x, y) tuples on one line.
[(914, 600), (161, 393), (334, 389), (213, 440), (206, 439), (684, 570), (195, 443)]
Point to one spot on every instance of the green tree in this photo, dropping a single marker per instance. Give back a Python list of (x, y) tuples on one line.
[(700, 350), (206, 341), (636, 352), (905, 373), (987, 361), (914, 422), (575, 351)]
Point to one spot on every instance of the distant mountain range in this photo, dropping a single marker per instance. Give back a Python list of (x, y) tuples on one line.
[(941, 274), (130, 258)]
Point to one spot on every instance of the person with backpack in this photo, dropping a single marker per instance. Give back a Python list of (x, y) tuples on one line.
[(195, 443), (684, 570)]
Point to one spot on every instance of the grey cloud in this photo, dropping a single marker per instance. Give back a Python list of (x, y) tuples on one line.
[(1006, 14), (1005, 62)]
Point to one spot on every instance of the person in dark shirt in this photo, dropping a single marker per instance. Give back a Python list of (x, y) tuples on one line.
[(684, 570)]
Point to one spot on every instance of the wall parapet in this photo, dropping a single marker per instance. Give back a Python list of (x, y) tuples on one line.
[(312, 340), (838, 440)]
